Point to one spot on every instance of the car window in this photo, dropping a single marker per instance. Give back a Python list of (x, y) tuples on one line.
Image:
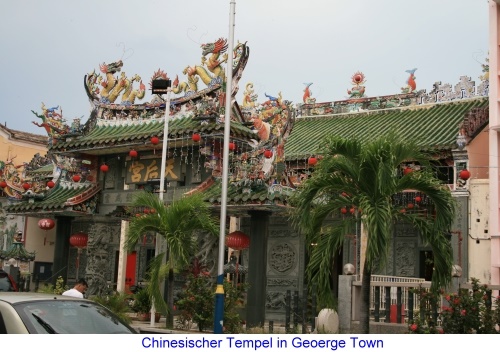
[(69, 317), (5, 284)]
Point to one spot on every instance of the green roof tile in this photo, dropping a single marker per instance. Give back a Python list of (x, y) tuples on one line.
[(433, 126)]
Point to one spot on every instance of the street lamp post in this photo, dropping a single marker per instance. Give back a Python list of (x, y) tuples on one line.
[(219, 293), (161, 86)]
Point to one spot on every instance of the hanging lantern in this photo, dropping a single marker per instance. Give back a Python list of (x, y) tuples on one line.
[(196, 137), (133, 153), (146, 211), (418, 199), (26, 186), (3, 184), (104, 168), (352, 210), (410, 206), (312, 161), (268, 153), (90, 178), (232, 146), (464, 174), (79, 240), (50, 184), (76, 178), (407, 170), (155, 140), (237, 240), (46, 224), (343, 210)]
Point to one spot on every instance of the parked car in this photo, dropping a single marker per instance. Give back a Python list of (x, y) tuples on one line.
[(7, 282), (41, 313)]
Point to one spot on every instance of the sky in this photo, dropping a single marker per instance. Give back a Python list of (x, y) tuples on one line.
[(47, 47)]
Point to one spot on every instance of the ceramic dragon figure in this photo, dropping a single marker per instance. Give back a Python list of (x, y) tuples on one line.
[(108, 85), (129, 94)]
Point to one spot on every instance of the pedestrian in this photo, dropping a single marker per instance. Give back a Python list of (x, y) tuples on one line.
[(78, 290)]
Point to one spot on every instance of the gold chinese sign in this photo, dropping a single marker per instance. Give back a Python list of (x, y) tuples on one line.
[(144, 170)]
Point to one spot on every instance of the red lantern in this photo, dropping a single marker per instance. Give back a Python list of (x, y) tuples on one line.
[(79, 240), (407, 170), (50, 184), (410, 206), (232, 146), (196, 137), (46, 224), (90, 178), (104, 168), (76, 178), (146, 211), (237, 240), (418, 199), (133, 153), (155, 140), (343, 210), (464, 174), (312, 161), (3, 184), (26, 186), (268, 153), (352, 210)]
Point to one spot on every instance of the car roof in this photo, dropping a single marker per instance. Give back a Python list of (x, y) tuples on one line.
[(17, 297)]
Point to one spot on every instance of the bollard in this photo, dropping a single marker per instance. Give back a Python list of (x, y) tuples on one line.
[(295, 311), (313, 303), (288, 302)]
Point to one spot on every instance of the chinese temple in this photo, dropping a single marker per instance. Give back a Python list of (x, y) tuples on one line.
[(93, 168)]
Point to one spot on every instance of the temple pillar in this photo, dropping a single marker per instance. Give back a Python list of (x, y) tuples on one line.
[(61, 248), (257, 267)]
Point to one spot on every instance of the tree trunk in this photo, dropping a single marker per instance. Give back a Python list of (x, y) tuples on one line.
[(364, 313), (170, 300)]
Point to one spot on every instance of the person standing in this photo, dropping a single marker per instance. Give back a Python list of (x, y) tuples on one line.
[(78, 290)]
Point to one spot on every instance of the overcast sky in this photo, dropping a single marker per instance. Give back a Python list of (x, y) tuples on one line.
[(48, 46)]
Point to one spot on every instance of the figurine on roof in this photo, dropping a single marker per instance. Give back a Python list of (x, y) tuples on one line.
[(411, 85), (307, 97), (358, 90)]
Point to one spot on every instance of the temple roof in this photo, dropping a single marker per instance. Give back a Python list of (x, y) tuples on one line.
[(106, 138), (62, 199), (432, 126)]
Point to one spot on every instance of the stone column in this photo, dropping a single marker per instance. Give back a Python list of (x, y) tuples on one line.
[(122, 260), (257, 267), (61, 248)]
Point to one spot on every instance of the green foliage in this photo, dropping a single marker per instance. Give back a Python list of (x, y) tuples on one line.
[(363, 174), (117, 302), (465, 312), (197, 303), (58, 289), (142, 301), (176, 223)]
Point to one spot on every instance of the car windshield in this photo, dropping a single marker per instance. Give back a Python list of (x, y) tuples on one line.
[(69, 317)]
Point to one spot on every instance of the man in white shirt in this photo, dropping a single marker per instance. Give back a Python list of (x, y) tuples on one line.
[(79, 289)]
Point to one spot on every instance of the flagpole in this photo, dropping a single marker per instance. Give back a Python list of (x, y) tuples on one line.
[(159, 239), (219, 292)]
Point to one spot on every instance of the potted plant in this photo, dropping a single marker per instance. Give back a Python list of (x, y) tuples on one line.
[(142, 305)]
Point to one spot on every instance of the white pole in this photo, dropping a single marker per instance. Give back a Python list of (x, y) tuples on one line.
[(159, 239), (219, 303)]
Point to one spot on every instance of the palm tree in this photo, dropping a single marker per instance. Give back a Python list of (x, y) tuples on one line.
[(176, 223), (364, 174)]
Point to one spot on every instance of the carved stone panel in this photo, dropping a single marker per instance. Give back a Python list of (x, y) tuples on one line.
[(282, 257), (405, 258)]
